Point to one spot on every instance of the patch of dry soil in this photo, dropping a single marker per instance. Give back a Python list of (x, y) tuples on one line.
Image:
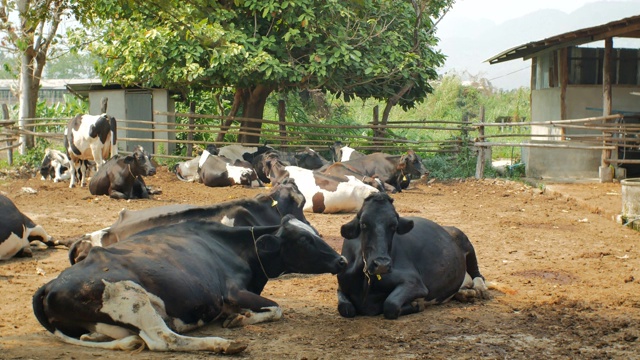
[(568, 277)]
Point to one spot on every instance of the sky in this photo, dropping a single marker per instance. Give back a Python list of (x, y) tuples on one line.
[(461, 32), (499, 11)]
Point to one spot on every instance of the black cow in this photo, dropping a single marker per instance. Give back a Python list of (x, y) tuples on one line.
[(399, 265), (263, 209), (396, 170), (340, 152), (121, 176), (90, 137), (175, 278), (17, 231)]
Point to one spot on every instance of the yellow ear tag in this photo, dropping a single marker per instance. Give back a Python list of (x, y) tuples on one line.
[(404, 178), (274, 203), (379, 277)]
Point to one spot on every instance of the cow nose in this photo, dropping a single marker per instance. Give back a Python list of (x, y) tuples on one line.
[(342, 263), (152, 171), (381, 266)]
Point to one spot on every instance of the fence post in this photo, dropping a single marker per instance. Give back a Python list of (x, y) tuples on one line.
[(282, 117), (481, 149), (5, 115), (376, 129), (192, 110)]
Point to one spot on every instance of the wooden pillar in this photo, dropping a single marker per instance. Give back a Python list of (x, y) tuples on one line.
[(606, 173), (564, 81), (481, 149), (376, 129), (192, 110)]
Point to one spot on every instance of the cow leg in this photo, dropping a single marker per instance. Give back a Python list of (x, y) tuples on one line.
[(38, 231), (255, 309), (472, 289), (345, 306), (404, 299), (114, 194), (72, 171), (129, 303)]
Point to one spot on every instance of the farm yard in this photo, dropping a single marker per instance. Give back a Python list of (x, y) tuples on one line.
[(567, 277)]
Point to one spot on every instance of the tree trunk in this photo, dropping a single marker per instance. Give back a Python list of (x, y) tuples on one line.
[(27, 107), (253, 109), (238, 101)]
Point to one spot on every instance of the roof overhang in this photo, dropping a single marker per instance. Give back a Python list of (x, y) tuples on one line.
[(627, 28)]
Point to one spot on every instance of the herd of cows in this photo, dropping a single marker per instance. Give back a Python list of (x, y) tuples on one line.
[(157, 273)]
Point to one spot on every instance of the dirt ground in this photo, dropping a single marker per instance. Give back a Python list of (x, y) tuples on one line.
[(567, 277)]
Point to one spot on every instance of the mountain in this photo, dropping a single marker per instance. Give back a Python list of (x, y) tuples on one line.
[(469, 42)]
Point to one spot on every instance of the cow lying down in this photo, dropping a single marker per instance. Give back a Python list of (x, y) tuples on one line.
[(399, 265), (121, 176), (263, 209), (172, 279), (18, 231)]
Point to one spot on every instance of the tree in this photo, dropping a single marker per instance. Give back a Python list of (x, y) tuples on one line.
[(367, 49), (31, 39)]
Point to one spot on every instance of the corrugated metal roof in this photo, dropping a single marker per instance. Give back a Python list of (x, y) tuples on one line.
[(627, 27)]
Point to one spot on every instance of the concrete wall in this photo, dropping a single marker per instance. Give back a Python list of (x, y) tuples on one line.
[(162, 101), (560, 164)]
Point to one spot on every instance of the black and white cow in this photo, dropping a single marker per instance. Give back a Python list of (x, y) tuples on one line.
[(217, 171), (340, 152), (175, 278), (121, 176), (240, 152), (55, 165), (323, 193), (263, 209), (396, 170), (90, 137), (399, 265), (17, 231)]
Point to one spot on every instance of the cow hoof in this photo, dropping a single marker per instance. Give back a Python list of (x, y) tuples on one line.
[(235, 347), (347, 310), (234, 320)]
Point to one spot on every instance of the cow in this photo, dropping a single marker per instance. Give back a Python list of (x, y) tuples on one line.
[(239, 152), (217, 171), (342, 169), (171, 279), (263, 209), (309, 159), (55, 165), (395, 170), (398, 265), (17, 231), (323, 193), (121, 176), (90, 137), (340, 152)]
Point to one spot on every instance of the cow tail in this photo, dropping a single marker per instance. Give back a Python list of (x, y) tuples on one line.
[(114, 136), (38, 309)]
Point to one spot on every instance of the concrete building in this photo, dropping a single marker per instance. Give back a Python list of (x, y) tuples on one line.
[(133, 109), (576, 75)]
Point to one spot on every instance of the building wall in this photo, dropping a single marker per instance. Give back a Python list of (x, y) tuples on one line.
[(162, 101)]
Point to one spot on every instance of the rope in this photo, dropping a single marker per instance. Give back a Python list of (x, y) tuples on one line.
[(255, 245)]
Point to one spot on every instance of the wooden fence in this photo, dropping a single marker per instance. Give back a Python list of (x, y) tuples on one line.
[(608, 134)]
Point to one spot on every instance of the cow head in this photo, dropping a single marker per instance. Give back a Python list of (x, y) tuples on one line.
[(287, 199), (187, 170), (297, 248), (140, 163), (411, 164), (335, 150), (375, 225), (309, 159)]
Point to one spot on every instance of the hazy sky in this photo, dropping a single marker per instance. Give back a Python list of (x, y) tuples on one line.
[(501, 10)]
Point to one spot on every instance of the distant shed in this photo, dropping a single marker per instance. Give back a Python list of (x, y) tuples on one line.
[(137, 105), (569, 81)]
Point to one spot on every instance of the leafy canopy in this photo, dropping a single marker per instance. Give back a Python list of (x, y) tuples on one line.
[(363, 48)]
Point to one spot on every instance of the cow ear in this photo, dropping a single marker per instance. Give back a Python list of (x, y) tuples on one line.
[(268, 243), (351, 230), (404, 225)]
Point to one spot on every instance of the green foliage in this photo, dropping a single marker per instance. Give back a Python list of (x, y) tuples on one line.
[(33, 157), (71, 65), (349, 48)]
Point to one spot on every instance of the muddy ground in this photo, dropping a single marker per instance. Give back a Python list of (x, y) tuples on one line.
[(567, 277)]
